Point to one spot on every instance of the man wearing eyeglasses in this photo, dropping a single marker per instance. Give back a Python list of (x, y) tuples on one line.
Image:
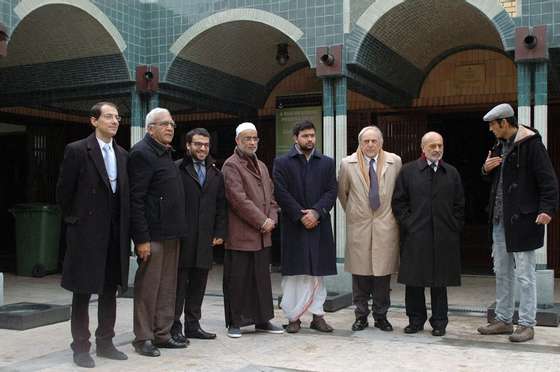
[(157, 209), (93, 193), (205, 207), (252, 215)]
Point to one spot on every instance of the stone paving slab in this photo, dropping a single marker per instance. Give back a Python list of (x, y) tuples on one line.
[(462, 349)]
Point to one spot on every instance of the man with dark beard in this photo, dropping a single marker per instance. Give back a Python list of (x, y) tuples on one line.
[(305, 188), (205, 208)]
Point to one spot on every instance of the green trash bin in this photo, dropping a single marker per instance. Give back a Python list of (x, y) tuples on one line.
[(37, 238)]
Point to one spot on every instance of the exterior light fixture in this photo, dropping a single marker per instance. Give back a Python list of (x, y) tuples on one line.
[(282, 56)]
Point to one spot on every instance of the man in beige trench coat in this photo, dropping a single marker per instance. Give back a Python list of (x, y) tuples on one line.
[(365, 188)]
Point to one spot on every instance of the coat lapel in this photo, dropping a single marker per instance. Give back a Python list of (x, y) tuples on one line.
[(95, 154), (355, 162), (121, 165)]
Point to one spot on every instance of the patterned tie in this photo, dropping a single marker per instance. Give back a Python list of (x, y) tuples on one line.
[(200, 173), (110, 165), (374, 201), (433, 166)]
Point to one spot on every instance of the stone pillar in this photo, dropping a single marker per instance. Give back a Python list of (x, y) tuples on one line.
[(339, 287), (541, 124), (524, 93), (340, 152)]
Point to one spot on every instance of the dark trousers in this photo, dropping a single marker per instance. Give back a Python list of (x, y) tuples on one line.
[(247, 288), (154, 293), (416, 306), (191, 285), (106, 316), (377, 287)]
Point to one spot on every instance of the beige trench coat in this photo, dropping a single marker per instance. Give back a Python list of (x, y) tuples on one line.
[(372, 238)]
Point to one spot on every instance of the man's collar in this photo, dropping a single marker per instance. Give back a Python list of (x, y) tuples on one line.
[(158, 147), (103, 143)]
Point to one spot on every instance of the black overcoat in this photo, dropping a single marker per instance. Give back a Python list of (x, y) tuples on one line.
[(530, 188), (301, 184), (157, 198), (205, 211), (429, 207), (84, 194)]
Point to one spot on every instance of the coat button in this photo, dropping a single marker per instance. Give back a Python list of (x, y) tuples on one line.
[(90, 213)]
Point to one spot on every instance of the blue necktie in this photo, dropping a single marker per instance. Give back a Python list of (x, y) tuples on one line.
[(200, 173), (110, 166), (374, 201)]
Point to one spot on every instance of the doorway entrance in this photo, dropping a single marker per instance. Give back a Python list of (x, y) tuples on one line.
[(467, 141)]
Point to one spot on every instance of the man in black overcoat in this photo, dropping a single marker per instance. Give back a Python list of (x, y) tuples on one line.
[(305, 188), (205, 208), (93, 192), (428, 203)]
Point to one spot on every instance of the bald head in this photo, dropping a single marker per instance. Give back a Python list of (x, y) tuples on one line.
[(432, 146)]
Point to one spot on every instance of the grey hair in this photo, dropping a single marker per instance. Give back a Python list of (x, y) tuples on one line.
[(371, 127), (153, 114), (428, 134)]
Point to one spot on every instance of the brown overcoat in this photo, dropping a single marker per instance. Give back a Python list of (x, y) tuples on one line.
[(250, 196), (372, 237)]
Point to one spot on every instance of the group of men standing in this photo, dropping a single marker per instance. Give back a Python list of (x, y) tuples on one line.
[(406, 219)]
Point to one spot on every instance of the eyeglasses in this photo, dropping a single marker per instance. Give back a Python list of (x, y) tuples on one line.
[(249, 139), (111, 116), (201, 144), (165, 124)]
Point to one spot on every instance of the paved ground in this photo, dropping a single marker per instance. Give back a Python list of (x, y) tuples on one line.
[(462, 349)]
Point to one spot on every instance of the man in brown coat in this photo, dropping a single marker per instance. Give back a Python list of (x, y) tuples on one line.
[(252, 215), (365, 188)]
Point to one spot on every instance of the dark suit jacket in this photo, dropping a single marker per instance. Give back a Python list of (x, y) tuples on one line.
[(85, 196), (205, 209)]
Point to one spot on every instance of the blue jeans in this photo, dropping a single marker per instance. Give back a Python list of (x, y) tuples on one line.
[(511, 266)]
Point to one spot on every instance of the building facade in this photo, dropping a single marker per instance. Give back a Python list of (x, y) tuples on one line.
[(406, 65)]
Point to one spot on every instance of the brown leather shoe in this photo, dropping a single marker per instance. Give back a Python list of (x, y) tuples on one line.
[(294, 327), (319, 324), (522, 334), (496, 327)]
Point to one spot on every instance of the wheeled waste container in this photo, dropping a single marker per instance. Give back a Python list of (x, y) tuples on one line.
[(37, 238)]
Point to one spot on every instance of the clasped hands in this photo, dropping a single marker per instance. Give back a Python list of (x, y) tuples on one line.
[(309, 218)]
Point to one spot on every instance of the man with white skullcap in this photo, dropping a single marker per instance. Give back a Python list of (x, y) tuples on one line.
[(252, 215), (523, 199)]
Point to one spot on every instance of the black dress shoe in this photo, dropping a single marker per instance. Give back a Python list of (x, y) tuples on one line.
[(172, 344), (438, 332), (413, 328), (384, 325), (360, 324), (84, 360), (110, 352), (179, 337), (146, 348), (201, 334)]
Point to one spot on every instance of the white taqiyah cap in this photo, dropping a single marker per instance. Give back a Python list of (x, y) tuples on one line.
[(501, 111), (243, 127)]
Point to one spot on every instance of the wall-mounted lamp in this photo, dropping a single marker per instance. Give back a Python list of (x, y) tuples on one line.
[(282, 56)]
